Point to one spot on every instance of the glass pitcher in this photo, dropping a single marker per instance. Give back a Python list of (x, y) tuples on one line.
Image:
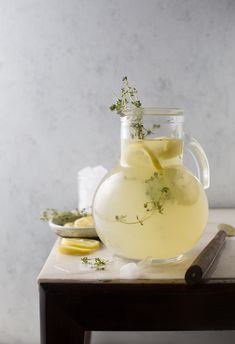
[(150, 205)]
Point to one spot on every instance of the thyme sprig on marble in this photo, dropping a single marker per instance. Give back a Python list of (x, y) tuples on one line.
[(97, 264)]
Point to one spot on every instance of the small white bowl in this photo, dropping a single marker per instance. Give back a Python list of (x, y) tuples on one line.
[(73, 232)]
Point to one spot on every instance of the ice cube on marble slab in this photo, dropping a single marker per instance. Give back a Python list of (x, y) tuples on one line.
[(88, 180), (129, 271)]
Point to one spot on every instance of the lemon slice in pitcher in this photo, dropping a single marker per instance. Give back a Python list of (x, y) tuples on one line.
[(137, 154), (171, 149)]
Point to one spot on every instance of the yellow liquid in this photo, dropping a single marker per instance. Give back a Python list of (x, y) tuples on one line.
[(135, 217)]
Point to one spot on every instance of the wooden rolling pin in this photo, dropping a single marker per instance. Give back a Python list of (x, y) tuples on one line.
[(200, 266)]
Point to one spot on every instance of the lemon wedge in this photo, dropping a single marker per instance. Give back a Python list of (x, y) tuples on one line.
[(171, 149), (72, 250), (69, 224), (138, 154), (84, 222), (81, 243)]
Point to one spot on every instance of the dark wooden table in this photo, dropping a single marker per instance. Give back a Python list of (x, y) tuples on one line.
[(71, 306)]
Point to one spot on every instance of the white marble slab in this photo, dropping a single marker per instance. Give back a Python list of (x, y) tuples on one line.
[(64, 268)]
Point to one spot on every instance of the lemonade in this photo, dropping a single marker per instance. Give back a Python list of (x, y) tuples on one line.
[(150, 205)]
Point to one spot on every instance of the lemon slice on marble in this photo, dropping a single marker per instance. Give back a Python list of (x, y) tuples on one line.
[(73, 250), (81, 243), (84, 222), (138, 154)]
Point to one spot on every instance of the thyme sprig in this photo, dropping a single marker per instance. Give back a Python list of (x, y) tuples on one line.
[(128, 97), (129, 100), (156, 203), (97, 264), (61, 217), (140, 220), (140, 132), (158, 193)]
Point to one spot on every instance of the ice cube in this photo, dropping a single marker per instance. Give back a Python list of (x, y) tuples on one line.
[(130, 270), (88, 180)]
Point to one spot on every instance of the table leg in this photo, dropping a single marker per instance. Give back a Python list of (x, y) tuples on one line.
[(87, 339), (56, 325)]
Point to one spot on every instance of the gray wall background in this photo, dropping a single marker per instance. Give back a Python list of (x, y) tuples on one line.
[(60, 62)]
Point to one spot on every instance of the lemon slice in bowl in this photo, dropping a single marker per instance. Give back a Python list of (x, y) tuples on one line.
[(81, 243), (137, 154), (84, 222), (69, 224)]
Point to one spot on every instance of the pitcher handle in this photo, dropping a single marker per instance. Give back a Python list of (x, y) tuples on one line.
[(199, 156)]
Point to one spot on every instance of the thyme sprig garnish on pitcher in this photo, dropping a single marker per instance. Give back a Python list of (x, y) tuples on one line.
[(128, 100), (128, 104), (140, 132)]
